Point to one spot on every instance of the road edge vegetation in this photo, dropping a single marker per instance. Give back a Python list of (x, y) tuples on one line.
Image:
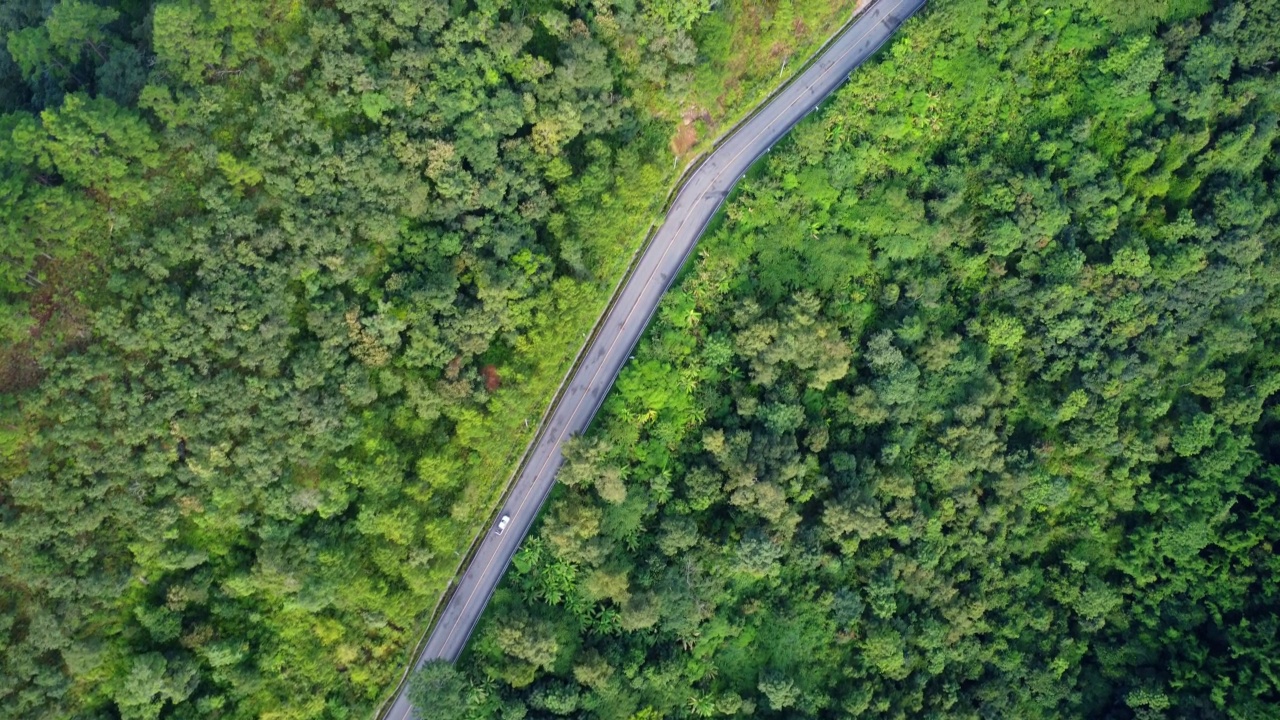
[(677, 186)]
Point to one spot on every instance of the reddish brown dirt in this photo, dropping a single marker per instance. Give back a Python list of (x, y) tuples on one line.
[(687, 136), (684, 139)]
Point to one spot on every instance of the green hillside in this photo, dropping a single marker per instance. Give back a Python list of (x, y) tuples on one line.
[(284, 288), (966, 408)]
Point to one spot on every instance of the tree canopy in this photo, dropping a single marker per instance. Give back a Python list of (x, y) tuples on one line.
[(966, 408), (284, 288)]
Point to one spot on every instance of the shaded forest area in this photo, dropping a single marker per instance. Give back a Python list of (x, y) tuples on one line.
[(283, 290), (966, 408)]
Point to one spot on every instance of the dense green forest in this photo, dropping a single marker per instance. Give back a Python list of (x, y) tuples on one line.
[(284, 287), (966, 408)]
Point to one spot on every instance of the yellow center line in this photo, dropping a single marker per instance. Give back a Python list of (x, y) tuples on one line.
[(645, 287)]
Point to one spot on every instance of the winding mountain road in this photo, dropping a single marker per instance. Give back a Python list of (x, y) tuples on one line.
[(610, 347)]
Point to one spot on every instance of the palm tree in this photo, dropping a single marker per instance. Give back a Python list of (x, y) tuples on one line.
[(702, 706)]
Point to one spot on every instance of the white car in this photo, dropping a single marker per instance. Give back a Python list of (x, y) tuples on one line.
[(502, 524)]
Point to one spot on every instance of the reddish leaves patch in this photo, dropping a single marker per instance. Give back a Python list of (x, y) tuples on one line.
[(60, 324), (492, 381), (18, 369)]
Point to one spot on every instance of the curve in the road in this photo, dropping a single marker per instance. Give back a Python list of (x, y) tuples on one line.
[(694, 206)]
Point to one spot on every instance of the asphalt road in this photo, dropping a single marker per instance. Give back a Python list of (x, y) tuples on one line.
[(693, 208)]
